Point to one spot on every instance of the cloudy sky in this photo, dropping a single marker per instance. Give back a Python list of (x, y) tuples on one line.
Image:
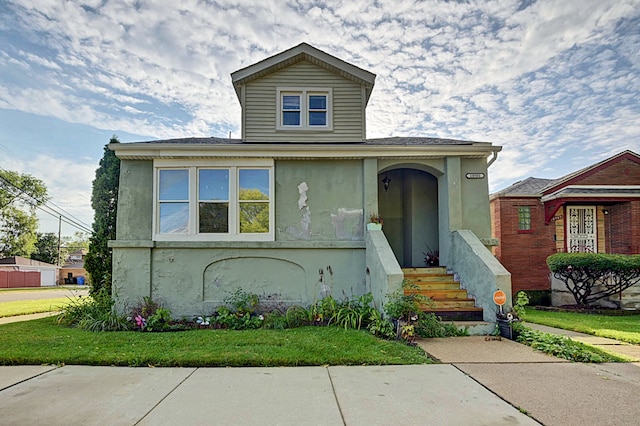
[(555, 82)]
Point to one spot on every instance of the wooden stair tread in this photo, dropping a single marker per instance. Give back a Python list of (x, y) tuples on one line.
[(434, 270), (459, 309), (444, 299), (445, 294), (449, 300), (436, 286)]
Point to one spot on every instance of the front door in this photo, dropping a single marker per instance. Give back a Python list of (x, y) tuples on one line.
[(409, 206), (581, 229)]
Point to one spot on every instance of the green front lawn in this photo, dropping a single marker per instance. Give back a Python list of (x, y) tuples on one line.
[(624, 328), (25, 307), (44, 342)]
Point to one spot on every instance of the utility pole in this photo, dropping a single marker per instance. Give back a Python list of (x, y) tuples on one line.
[(59, 241)]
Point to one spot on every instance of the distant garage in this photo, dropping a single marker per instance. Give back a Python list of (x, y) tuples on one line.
[(16, 271)]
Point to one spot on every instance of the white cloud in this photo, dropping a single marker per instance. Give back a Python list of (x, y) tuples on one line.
[(557, 77)]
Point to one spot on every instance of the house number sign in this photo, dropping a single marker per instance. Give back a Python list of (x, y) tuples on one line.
[(474, 175)]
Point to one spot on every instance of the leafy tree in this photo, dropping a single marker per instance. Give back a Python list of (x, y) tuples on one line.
[(20, 195), (104, 200), (46, 248), (254, 217), (69, 244)]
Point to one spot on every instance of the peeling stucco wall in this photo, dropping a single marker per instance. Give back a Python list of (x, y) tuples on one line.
[(319, 200), (304, 230), (348, 224)]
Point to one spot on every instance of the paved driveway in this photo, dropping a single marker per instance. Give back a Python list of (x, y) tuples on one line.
[(35, 294)]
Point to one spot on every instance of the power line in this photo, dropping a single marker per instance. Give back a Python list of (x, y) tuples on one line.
[(68, 214), (64, 218), (77, 223)]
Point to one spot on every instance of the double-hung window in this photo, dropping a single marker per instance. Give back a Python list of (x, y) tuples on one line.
[(304, 109), (213, 201)]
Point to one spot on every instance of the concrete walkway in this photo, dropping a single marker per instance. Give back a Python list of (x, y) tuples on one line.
[(20, 318), (550, 390)]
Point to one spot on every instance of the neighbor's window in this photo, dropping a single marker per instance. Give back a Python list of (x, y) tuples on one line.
[(304, 109), (214, 203), (524, 218)]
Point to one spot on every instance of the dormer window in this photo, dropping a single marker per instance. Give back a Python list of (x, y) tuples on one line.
[(304, 109)]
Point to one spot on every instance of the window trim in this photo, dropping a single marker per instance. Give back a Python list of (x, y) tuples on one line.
[(304, 93), (233, 165)]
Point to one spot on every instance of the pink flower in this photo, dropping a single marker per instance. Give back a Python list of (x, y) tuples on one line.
[(141, 322)]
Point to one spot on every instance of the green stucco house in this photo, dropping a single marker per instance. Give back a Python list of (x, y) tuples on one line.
[(282, 211)]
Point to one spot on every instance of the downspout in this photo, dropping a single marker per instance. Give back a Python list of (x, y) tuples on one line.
[(494, 158)]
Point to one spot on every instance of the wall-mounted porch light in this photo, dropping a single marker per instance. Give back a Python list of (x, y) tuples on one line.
[(386, 181)]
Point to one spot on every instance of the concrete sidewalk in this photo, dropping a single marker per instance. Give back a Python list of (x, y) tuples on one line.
[(551, 390), (376, 395), (29, 317)]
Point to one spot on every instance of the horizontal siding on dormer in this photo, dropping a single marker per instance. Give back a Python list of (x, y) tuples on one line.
[(260, 106)]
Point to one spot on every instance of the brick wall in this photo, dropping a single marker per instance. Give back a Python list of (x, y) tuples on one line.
[(622, 226), (523, 254), (624, 172)]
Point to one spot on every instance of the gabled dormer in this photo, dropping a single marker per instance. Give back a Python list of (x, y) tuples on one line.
[(303, 95)]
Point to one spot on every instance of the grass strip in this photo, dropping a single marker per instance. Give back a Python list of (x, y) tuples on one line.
[(623, 328), (25, 307), (44, 342), (564, 347)]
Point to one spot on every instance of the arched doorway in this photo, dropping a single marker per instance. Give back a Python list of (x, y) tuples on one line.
[(409, 207)]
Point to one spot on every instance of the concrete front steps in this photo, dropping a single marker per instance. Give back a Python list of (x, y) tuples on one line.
[(451, 302)]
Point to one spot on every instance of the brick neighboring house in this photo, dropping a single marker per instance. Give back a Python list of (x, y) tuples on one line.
[(596, 209), (73, 272)]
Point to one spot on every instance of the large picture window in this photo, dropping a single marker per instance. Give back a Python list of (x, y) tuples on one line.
[(304, 109), (214, 202)]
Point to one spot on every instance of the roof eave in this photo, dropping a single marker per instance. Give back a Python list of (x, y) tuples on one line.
[(282, 151)]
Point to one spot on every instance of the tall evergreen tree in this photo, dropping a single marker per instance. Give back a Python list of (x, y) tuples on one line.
[(104, 200)]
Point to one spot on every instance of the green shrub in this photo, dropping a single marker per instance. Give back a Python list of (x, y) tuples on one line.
[(563, 347), (159, 320), (380, 327), (539, 297), (402, 304), (593, 276), (297, 316), (323, 311), (238, 320), (241, 301), (274, 320), (93, 313), (355, 313), (430, 325)]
